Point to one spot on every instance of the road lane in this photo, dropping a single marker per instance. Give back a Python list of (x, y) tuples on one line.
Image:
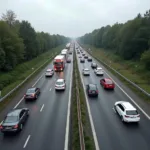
[(48, 127), (112, 134)]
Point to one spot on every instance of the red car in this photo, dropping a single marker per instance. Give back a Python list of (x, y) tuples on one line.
[(107, 83)]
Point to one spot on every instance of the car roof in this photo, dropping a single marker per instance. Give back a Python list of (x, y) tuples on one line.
[(14, 112), (92, 85), (60, 80), (49, 70), (99, 68), (32, 88), (107, 79), (86, 69), (128, 106)]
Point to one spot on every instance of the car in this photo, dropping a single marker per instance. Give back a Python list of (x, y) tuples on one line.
[(68, 60), (99, 71), (107, 83), (92, 90), (85, 56), (60, 84), (78, 52), (93, 65), (86, 72), (32, 93), (14, 120), (80, 56), (70, 52), (89, 59), (49, 73), (82, 60), (127, 111)]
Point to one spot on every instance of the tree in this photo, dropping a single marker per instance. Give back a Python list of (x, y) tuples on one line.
[(145, 58), (9, 17)]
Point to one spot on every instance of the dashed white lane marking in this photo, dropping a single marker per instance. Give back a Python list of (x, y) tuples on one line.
[(37, 80), (19, 102), (27, 140), (42, 108)]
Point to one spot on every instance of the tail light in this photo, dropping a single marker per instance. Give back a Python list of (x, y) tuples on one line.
[(16, 126), (24, 95), (138, 115), (96, 91), (127, 116), (1, 127)]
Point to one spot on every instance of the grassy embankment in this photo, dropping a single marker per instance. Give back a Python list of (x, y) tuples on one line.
[(88, 138), (134, 71), (17, 75)]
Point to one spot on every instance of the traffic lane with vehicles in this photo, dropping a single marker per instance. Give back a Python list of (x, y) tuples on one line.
[(143, 104), (111, 132), (30, 128)]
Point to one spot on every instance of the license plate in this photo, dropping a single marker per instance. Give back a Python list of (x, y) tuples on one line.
[(8, 128)]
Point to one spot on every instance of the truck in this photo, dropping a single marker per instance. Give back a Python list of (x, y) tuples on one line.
[(68, 46), (65, 53), (59, 63)]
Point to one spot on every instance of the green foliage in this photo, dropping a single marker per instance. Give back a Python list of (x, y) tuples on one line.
[(19, 42), (145, 58), (129, 40)]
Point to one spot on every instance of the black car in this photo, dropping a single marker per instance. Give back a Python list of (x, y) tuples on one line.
[(32, 93), (89, 59), (14, 120), (85, 56), (68, 60), (82, 60), (92, 90), (93, 65)]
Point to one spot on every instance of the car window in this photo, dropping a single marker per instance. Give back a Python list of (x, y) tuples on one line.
[(109, 82), (59, 83), (131, 112), (11, 119), (30, 90), (22, 113), (93, 87), (121, 107)]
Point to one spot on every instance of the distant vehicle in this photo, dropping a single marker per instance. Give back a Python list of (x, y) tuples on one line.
[(49, 73), (80, 56), (32, 93), (127, 112), (107, 83), (93, 65), (64, 53), (68, 46), (82, 60), (86, 72), (99, 71), (89, 59), (68, 60), (92, 90), (59, 63), (70, 52), (78, 52), (14, 120), (60, 84), (85, 56)]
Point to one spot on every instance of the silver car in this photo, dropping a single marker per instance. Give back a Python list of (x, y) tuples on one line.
[(60, 84), (99, 71), (86, 71)]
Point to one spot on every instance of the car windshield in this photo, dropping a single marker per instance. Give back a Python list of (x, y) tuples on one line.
[(30, 90), (131, 112), (86, 70), (11, 119), (109, 82), (92, 87), (48, 71), (57, 63), (94, 64), (99, 69), (59, 83)]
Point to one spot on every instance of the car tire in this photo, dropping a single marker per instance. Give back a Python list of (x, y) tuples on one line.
[(36, 96), (21, 127)]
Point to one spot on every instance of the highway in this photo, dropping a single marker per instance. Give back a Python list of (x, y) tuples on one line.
[(111, 133), (45, 128)]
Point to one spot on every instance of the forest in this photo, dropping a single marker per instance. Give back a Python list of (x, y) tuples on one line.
[(19, 42), (130, 40)]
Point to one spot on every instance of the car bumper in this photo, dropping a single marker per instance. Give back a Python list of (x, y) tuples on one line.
[(92, 94), (9, 130), (59, 88), (48, 75), (29, 98), (131, 119), (99, 74), (86, 74)]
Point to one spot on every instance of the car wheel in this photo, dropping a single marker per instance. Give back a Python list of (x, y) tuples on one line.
[(21, 127), (36, 97)]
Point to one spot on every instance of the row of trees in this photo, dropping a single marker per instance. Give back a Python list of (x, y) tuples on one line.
[(20, 42), (130, 40)]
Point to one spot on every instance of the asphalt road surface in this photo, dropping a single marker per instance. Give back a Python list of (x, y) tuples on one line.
[(111, 133), (46, 126)]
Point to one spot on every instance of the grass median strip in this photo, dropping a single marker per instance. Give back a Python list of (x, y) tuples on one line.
[(123, 68), (88, 138), (18, 75)]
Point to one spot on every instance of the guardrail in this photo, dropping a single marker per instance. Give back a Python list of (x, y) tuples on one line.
[(9, 93), (133, 84)]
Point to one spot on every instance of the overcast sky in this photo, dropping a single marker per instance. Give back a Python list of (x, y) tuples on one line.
[(74, 18)]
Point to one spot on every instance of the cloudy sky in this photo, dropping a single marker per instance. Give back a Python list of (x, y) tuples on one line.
[(74, 18)]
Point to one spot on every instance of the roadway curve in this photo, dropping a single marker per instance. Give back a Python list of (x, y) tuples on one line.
[(45, 128), (111, 133)]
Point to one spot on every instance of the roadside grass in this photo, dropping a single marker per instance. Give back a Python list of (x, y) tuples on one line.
[(20, 76), (134, 71), (88, 137)]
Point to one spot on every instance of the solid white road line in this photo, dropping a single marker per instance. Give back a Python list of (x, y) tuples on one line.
[(42, 108), (68, 114), (89, 113), (37, 80), (130, 98), (125, 93), (19, 103), (27, 140)]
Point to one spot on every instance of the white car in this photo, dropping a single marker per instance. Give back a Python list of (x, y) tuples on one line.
[(127, 111), (99, 71), (60, 84), (86, 71), (49, 73)]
